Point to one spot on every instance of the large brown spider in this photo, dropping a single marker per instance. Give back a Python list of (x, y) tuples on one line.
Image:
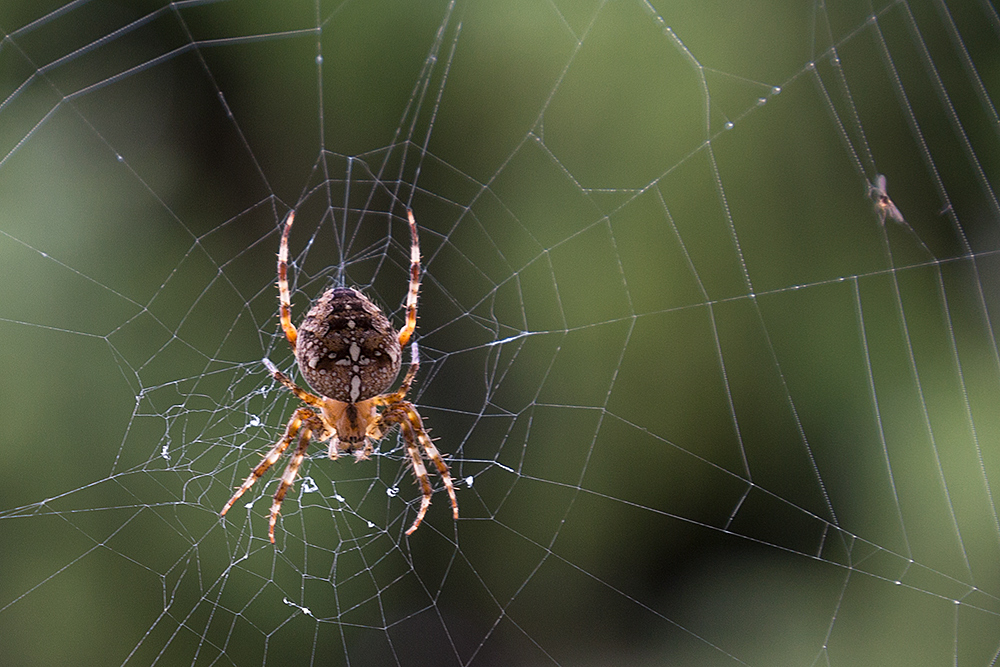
[(348, 352)]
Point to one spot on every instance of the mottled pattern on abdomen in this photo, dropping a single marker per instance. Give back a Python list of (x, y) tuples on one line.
[(347, 350)]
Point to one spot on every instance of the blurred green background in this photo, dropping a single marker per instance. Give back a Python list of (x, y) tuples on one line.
[(711, 410)]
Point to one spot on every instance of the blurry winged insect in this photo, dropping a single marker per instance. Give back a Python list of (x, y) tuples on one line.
[(883, 205)]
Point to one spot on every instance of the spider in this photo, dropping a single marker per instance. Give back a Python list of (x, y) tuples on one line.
[(348, 352), (883, 205)]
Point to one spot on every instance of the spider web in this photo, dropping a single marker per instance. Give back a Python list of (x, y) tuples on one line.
[(700, 405)]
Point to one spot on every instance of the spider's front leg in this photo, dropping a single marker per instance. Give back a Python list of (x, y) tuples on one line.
[(288, 478), (416, 439), (302, 423)]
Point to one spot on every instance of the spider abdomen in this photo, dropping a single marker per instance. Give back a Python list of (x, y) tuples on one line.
[(346, 348)]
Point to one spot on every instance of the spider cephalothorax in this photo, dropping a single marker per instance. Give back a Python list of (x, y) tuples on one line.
[(349, 354)]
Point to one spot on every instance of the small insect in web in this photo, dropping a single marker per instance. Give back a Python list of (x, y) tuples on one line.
[(348, 353), (883, 205)]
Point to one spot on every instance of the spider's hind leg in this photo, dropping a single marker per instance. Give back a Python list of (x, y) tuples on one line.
[(411, 296), (283, 295)]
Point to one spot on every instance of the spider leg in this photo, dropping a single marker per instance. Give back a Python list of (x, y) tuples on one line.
[(301, 415), (416, 438), (288, 477), (300, 393), (420, 471), (435, 456), (411, 297), (398, 395), (286, 304)]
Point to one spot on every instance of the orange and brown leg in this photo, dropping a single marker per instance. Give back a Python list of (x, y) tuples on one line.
[(288, 477), (398, 395), (300, 393), (283, 295), (416, 439), (411, 296), (294, 424)]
